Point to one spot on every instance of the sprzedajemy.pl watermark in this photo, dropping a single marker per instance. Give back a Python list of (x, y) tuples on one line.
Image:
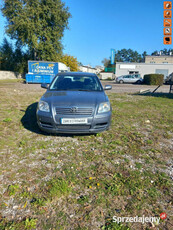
[(140, 219)]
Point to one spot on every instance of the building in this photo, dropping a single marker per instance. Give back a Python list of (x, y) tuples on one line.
[(123, 68), (99, 68), (89, 69), (162, 59), (106, 76)]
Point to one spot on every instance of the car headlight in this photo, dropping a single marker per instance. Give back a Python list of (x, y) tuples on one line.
[(43, 106), (104, 107)]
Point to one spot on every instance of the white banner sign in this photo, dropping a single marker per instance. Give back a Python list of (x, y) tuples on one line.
[(127, 66)]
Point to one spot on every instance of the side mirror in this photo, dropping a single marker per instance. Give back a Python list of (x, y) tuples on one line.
[(45, 85), (108, 87)]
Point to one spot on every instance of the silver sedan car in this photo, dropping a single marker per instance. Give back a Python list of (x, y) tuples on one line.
[(135, 78), (75, 102)]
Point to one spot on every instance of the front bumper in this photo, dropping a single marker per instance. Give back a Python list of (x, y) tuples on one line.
[(96, 123)]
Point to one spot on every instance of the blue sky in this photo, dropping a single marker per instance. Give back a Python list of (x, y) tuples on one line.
[(97, 26)]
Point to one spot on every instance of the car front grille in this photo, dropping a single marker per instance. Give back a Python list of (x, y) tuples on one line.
[(74, 127), (74, 111)]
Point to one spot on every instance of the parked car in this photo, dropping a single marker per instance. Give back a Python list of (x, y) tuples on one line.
[(169, 79), (130, 78), (75, 102)]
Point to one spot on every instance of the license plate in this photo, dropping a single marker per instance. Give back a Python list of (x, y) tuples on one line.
[(74, 121)]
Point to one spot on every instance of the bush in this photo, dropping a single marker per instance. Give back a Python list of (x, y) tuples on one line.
[(153, 79), (109, 79)]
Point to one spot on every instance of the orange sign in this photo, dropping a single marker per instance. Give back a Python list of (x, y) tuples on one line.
[(167, 22), (167, 40), (167, 31), (167, 5), (167, 14)]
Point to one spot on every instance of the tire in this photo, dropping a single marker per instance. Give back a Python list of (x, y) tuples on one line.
[(138, 82), (121, 82)]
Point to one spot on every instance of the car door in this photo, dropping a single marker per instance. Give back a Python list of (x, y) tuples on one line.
[(126, 79), (136, 77), (130, 79), (133, 79)]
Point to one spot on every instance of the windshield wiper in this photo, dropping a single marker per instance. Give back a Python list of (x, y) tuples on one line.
[(84, 90), (87, 90)]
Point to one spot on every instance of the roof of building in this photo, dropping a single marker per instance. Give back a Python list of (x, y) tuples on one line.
[(160, 56), (86, 66), (142, 63)]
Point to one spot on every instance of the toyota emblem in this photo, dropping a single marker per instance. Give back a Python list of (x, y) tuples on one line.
[(74, 109)]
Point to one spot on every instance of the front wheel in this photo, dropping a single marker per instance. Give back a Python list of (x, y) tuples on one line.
[(121, 82)]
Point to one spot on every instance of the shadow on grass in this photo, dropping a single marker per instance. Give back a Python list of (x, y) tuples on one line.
[(163, 95), (29, 122)]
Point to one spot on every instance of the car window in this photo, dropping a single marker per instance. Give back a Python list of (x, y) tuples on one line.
[(137, 76), (70, 82)]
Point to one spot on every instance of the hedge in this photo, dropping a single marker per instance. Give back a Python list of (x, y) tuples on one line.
[(153, 79)]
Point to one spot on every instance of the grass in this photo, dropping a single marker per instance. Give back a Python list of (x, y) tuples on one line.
[(8, 81), (82, 181)]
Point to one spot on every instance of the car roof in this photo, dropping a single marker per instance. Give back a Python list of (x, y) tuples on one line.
[(77, 74)]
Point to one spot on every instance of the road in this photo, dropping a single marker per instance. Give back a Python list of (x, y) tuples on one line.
[(116, 88), (132, 88)]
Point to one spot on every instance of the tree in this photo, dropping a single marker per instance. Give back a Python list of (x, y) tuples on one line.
[(70, 61), (155, 53), (13, 59), (38, 25), (144, 54), (162, 52), (127, 55), (80, 64), (7, 55), (20, 60), (106, 62)]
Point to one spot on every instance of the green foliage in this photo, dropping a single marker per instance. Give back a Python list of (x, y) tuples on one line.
[(13, 59), (129, 55), (164, 52), (12, 189), (106, 62), (38, 25), (130, 184), (6, 54), (58, 187), (27, 224), (38, 202), (153, 79), (20, 60), (125, 55), (7, 120), (109, 79), (110, 225), (30, 223), (69, 61), (82, 200)]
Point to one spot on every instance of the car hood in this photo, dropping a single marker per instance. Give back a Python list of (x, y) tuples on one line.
[(74, 98)]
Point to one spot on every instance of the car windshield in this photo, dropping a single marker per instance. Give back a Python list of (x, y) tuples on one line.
[(79, 83)]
